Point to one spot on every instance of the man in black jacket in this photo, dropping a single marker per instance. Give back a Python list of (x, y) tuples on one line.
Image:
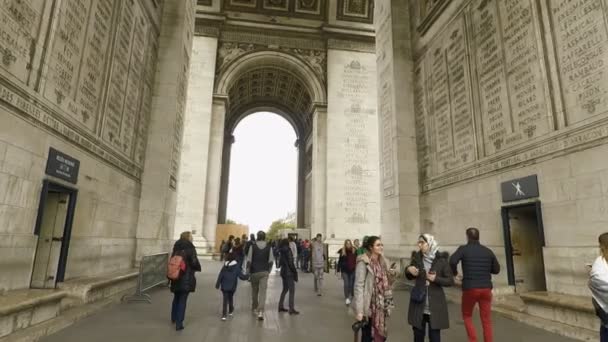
[(259, 264), (478, 265)]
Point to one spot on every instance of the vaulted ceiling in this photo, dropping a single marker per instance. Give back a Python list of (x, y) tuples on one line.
[(272, 87)]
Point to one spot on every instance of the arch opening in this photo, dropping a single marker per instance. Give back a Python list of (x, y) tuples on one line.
[(262, 170)]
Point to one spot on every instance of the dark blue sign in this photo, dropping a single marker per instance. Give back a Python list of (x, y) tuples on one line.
[(62, 166), (520, 188)]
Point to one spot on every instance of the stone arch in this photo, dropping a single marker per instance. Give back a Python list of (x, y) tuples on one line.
[(270, 58), (272, 81)]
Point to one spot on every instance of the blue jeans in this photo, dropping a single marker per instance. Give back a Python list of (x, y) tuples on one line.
[(603, 333), (349, 284), (178, 309)]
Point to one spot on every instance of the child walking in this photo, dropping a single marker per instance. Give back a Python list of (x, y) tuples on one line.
[(227, 281)]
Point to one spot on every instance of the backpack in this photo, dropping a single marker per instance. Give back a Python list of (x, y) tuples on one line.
[(175, 266)]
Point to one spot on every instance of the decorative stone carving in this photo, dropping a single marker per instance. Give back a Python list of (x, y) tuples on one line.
[(78, 66), (272, 85), (230, 51), (356, 10), (429, 11), (309, 9), (509, 115)]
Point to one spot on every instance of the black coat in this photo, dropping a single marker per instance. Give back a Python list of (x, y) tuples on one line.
[(187, 279), (288, 267), (478, 265), (437, 302), (229, 276)]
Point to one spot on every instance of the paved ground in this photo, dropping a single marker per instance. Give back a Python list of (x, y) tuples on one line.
[(322, 318)]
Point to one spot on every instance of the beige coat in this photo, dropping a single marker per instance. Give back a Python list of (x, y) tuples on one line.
[(364, 284)]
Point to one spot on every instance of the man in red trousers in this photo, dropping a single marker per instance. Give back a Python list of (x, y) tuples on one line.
[(478, 265)]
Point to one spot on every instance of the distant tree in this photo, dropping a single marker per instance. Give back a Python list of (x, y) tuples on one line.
[(230, 221), (276, 226)]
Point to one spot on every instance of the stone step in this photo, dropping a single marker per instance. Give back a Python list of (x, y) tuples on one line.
[(567, 330), (22, 309)]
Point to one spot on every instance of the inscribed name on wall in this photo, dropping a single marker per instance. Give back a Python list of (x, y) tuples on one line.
[(94, 71), (126, 84), (444, 76), (20, 22), (76, 63), (580, 31), (359, 179), (387, 122), (510, 76)]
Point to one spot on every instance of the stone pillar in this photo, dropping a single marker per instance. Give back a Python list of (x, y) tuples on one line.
[(226, 155), (192, 180), (352, 199), (158, 198), (214, 169), (301, 201), (397, 128), (319, 170)]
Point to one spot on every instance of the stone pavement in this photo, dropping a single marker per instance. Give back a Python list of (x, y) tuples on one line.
[(322, 318)]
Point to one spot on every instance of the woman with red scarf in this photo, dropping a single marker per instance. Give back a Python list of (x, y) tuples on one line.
[(373, 299)]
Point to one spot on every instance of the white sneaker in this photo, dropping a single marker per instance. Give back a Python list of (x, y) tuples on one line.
[(260, 316), (347, 301), (223, 318)]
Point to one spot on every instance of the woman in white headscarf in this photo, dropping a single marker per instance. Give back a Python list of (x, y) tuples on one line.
[(598, 283), (428, 305)]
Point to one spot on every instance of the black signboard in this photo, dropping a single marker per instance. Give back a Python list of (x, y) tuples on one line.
[(62, 166), (520, 188)]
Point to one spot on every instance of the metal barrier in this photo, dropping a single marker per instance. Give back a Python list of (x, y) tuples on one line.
[(152, 272)]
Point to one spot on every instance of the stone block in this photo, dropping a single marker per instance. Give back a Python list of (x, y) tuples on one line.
[(555, 169), (589, 161), (6, 324), (44, 313), (17, 162), (589, 186), (23, 319), (3, 147)]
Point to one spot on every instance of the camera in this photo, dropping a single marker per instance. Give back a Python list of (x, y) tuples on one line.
[(358, 325)]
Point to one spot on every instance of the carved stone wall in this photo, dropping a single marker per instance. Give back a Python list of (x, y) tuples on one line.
[(77, 76), (84, 70), (500, 80), (508, 89)]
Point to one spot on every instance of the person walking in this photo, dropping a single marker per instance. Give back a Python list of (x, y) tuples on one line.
[(227, 281), (238, 251), (186, 282), (598, 283), (347, 263), (373, 300), (259, 264), (293, 247), (318, 263), (222, 247), (478, 265), (305, 267), (249, 243), (428, 305), (299, 253), (289, 275), (361, 250)]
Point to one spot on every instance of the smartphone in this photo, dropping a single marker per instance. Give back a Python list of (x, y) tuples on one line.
[(393, 265)]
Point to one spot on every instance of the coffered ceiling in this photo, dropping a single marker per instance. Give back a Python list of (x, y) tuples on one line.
[(347, 10), (269, 86)]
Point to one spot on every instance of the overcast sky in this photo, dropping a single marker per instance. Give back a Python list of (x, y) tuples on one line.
[(263, 171)]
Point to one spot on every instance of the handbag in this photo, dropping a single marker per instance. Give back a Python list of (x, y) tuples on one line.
[(418, 294)]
